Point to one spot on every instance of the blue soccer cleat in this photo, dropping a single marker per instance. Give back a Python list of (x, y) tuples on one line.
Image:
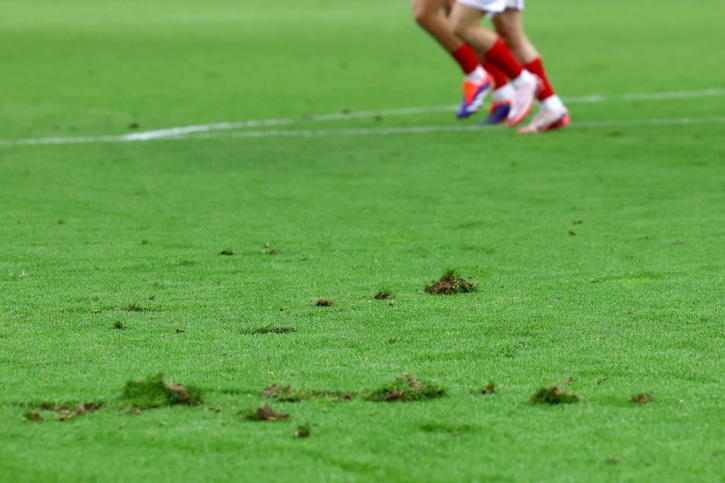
[(474, 93), (498, 112)]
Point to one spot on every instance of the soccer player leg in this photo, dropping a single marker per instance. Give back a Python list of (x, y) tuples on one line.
[(552, 113), (466, 18), (477, 82), (503, 93)]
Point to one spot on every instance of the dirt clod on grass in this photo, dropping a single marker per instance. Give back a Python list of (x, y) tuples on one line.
[(65, 411), (553, 395), (643, 398), (133, 307), (406, 388), (267, 413), (383, 295), (118, 325), (489, 389), (283, 394), (227, 253), (269, 330), (289, 394), (451, 283), (155, 392), (324, 303)]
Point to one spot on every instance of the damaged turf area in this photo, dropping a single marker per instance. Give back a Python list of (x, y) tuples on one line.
[(289, 153)]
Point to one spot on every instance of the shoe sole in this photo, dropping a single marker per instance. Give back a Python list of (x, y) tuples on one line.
[(496, 118), (563, 121)]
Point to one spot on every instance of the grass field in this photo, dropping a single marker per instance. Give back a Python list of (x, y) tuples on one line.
[(597, 250)]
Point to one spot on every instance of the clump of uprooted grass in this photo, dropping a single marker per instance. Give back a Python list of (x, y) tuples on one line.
[(289, 394), (155, 392), (406, 388), (268, 330), (267, 413), (553, 395), (643, 398), (451, 283), (65, 411)]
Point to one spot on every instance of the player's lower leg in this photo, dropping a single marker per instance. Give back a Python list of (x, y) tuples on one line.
[(552, 114), (467, 25), (477, 82), (503, 93)]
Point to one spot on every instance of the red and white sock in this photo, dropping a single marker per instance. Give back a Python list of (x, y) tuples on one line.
[(536, 67), (502, 91), (471, 67), (500, 56), (547, 96), (499, 76)]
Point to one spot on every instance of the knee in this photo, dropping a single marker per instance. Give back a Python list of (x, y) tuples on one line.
[(422, 13)]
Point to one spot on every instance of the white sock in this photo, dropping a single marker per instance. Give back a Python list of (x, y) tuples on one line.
[(503, 93), (553, 103), (524, 78), (476, 76)]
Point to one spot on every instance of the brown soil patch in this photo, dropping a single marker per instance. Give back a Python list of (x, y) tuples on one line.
[(490, 389), (268, 413), (324, 303), (643, 398)]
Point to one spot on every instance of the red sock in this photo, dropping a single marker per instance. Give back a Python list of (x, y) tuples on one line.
[(537, 67), (466, 58), (499, 78), (501, 57)]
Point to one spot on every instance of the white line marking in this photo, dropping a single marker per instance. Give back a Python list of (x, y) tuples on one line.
[(444, 129), (364, 132), (227, 126), (182, 132)]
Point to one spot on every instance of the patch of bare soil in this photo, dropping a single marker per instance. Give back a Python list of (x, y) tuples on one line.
[(643, 398)]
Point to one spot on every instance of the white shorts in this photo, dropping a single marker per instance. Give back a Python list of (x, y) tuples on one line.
[(493, 7)]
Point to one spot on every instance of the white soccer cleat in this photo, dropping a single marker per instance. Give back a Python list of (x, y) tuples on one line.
[(523, 101), (547, 120)]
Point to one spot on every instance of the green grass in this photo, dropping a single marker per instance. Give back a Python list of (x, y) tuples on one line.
[(203, 259)]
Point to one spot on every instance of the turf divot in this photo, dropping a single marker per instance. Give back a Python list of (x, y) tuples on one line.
[(406, 388), (266, 413), (134, 307), (289, 394), (489, 389), (65, 411), (451, 283), (643, 398), (268, 330), (552, 395), (155, 392)]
